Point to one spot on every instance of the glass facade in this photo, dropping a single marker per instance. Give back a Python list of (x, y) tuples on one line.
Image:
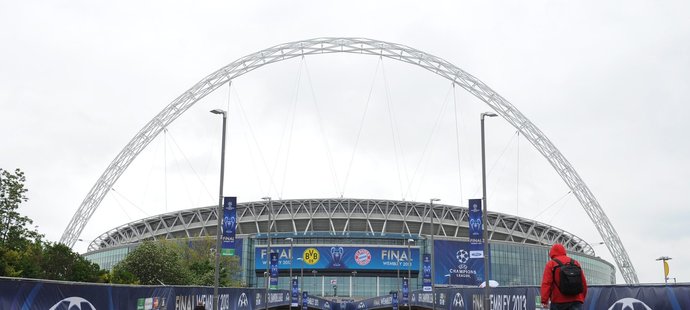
[(511, 264), (521, 264), (106, 259)]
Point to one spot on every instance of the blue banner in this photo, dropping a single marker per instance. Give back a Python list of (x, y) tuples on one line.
[(453, 259), (295, 294), (476, 228), (305, 300), (342, 258), (35, 294), (229, 225), (406, 291), (395, 300), (426, 279), (274, 271)]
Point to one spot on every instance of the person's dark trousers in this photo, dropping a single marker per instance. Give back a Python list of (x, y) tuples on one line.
[(567, 306)]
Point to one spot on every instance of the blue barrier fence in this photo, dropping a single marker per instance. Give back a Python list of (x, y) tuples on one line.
[(28, 294)]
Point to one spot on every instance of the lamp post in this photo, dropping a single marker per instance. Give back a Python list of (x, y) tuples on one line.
[(409, 271), (268, 247), (485, 216), (352, 285), (398, 280), (313, 272), (219, 211), (291, 242), (301, 275), (664, 259), (433, 285)]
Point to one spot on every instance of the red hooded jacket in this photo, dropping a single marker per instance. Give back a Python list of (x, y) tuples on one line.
[(549, 286)]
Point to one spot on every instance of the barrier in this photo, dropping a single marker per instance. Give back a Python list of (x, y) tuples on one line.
[(54, 295)]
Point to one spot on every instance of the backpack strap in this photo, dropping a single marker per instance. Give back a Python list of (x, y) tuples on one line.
[(553, 270)]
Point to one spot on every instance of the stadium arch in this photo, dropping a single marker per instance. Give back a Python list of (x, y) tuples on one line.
[(363, 46)]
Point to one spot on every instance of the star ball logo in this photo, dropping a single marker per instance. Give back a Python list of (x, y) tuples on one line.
[(243, 301), (311, 256), (73, 303), (462, 256), (362, 257)]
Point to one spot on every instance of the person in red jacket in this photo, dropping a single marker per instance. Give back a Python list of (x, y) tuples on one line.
[(550, 280)]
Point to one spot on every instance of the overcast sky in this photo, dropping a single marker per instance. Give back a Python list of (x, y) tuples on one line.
[(607, 82)]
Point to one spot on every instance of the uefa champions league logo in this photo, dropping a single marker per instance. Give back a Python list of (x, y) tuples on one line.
[(243, 301), (475, 224), (336, 255), (73, 303), (458, 301), (629, 304), (462, 256)]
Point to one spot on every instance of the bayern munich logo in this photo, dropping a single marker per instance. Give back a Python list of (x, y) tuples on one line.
[(362, 257)]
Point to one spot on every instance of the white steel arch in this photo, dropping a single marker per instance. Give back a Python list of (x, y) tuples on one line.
[(355, 46)]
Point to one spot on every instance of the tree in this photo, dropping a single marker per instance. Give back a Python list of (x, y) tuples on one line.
[(14, 233), (199, 258), (152, 263), (61, 263)]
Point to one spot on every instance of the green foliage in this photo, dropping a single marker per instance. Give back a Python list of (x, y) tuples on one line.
[(23, 252), (183, 263), (61, 263), (14, 233), (152, 263)]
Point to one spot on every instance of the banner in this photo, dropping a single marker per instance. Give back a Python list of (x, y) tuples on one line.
[(426, 279), (453, 259), (342, 258), (406, 291), (36, 294), (274, 271), (476, 228), (229, 226), (295, 294), (395, 300), (305, 300)]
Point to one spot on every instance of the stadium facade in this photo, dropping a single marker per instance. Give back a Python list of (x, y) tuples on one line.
[(363, 247)]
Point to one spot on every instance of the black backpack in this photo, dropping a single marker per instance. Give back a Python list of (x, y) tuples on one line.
[(571, 278)]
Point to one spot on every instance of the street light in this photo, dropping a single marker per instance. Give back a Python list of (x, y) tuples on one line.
[(301, 275), (291, 241), (485, 216), (219, 212), (433, 286), (268, 246), (409, 271), (313, 272), (664, 259)]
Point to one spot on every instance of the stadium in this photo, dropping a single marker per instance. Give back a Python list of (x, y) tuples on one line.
[(362, 247)]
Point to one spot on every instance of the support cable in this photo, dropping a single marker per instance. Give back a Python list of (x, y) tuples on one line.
[(426, 147), (324, 136), (397, 146), (554, 203), (129, 201), (517, 177), (256, 143), (495, 163), (457, 144), (292, 126), (165, 167), (361, 126), (172, 138)]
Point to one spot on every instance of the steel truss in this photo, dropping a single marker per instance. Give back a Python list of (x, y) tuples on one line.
[(339, 217), (367, 47)]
